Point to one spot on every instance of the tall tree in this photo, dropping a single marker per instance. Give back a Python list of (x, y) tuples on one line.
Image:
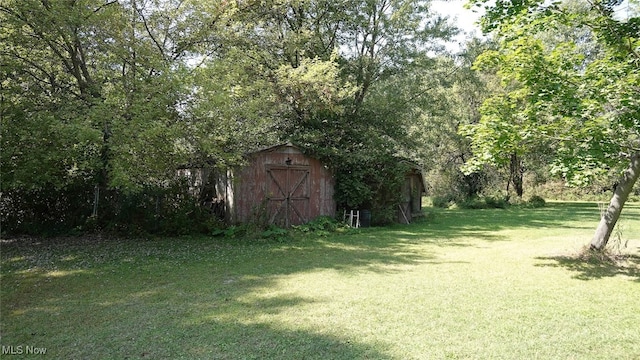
[(49, 81), (341, 78), (93, 96), (105, 79), (116, 94), (585, 103), (454, 95)]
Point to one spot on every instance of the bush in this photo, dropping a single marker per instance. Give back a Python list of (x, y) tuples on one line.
[(47, 211), (496, 203), (487, 202), (444, 202), (276, 233), (322, 226), (371, 181), (536, 201), (51, 211), (472, 203), (383, 214)]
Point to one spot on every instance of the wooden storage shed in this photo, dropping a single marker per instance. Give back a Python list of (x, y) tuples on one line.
[(279, 185), (412, 191)]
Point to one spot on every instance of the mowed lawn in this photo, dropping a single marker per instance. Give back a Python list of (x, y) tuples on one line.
[(462, 284)]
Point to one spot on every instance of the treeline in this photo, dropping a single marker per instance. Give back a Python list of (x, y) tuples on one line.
[(102, 101)]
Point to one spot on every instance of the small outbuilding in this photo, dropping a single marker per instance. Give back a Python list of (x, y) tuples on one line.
[(279, 185), (413, 190)]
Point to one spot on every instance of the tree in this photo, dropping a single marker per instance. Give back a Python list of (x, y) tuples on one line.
[(585, 104), (92, 94), (87, 73), (112, 96), (343, 79), (384, 52), (454, 93)]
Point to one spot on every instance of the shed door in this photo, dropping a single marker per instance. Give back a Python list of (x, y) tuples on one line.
[(288, 195)]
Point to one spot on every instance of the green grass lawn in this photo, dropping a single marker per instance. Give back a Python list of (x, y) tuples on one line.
[(462, 284)]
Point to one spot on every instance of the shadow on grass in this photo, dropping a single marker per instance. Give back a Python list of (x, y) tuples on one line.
[(166, 310), (594, 268), (463, 227), (200, 297), (265, 342), (171, 298)]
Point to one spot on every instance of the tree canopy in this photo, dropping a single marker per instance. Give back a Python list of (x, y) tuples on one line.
[(116, 95), (570, 75), (108, 98)]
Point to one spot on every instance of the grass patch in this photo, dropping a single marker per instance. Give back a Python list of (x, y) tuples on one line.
[(463, 284)]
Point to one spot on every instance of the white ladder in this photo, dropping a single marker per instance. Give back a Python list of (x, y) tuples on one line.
[(352, 218)]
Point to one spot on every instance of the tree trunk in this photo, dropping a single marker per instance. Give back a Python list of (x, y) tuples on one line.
[(516, 174), (620, 196)]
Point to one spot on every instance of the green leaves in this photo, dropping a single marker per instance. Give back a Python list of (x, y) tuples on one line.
[(118, 94), (103, 82), (314, 86), (572, 86)]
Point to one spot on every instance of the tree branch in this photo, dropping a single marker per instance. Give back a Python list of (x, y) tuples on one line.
[(104, 5), (150, 33)]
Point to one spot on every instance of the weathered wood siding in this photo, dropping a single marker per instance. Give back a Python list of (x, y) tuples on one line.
[(280, 185), (412, 191)]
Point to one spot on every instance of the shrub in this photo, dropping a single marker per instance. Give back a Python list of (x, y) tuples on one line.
[(370, 180), (234, 231), (487, 202), (274, 232), (322, 226), (442, 201), (496, 203), (383, 214), (536, 201), (46, 211), (49, 211), (472, 203)]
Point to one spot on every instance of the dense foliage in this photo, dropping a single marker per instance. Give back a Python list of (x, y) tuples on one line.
[(571, 79), (103, 100)]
